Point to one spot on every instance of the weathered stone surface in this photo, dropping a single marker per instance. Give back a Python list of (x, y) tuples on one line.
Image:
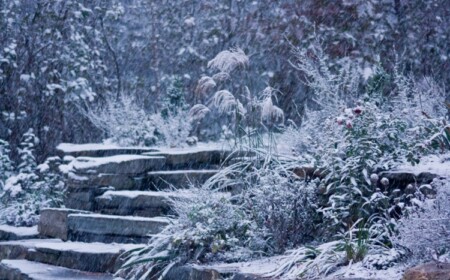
[(117, 181), (191, 273), (28, 270), (53, 222), (83, 199), (93, 257), (153, 180), (98, 150), (428, 271), (109, 228), (17, 233), (121, 164), (135, 203), (192, 158), (19, 249), (178, 179)]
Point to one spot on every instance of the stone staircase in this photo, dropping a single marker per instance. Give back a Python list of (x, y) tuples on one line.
[(116, 199)]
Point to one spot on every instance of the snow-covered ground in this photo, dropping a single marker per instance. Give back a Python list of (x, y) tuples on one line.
[(435, 164)]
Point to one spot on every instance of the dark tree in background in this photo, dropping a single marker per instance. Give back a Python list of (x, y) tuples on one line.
[(59, 55)]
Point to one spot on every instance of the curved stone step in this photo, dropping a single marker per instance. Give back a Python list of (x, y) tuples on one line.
[(151, 179), (93, 257), (118, 181), (137, 203), (192, 157), (18, 249), (110, 228), (82, 194), (98, 150), (17, 233), (28, 270), (119, 164)]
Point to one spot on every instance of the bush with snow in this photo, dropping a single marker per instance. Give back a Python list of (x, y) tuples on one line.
[(30, 187), (126, 122), (210, 227), (351, 137), (267, 212), (425, 231)]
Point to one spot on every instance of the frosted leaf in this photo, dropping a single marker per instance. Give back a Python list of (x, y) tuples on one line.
[(224, 101), (227, 61), (205, 84), (198, 112)]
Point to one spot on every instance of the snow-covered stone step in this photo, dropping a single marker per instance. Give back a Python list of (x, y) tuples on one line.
[(137, 203), (98, 150), (53, 222), (28, 270), (82, 189), (18, 249), (83, 198), (93, 257), (17, 233), (178, 179), (81, 194), (110, 228), (119, 164), (118, 181), (191, 157)]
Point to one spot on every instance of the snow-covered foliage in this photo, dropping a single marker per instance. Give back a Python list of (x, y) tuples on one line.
[(238, 114), (351, 139), (126, 122), (339, 199), (228, 60), (209, 227), (425, 232), (29, 187), (6, 164), (270, 114), (87, 51), (267, 212)]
